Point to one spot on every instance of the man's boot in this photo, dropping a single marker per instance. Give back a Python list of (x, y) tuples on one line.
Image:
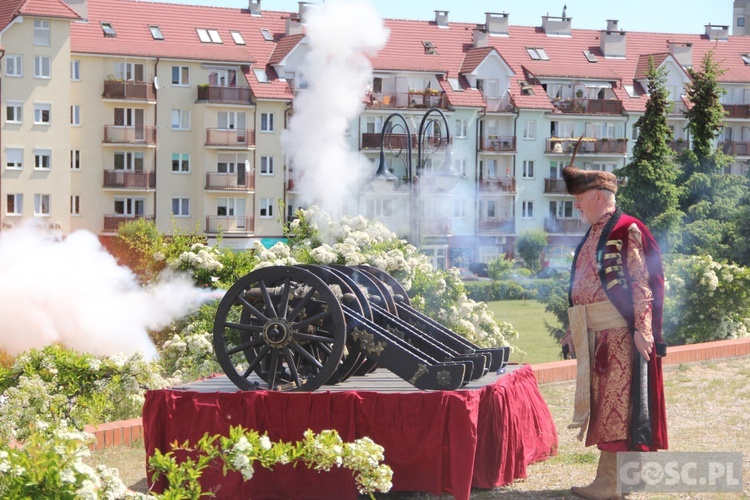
[(604, 486)]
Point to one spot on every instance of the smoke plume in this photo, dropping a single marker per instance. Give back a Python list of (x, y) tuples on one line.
[(74, 293), (340, 34)]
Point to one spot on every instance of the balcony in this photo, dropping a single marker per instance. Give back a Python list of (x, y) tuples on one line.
[(563, 145), (142, 135), (496, 226), (679, 145), (129, 90), (735, 148), (224, 95), (585, 106), (498, 143), (502, 185), (129, 179), (564, 226), (112, 222), (499, 104), (239, 181), (737, 110), (229, 224), (435, 226), (405, 100), (397, 142), (554, 186), (678, 109), (230, 138)]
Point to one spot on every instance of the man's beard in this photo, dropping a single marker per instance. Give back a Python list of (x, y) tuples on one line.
[(584, 219)]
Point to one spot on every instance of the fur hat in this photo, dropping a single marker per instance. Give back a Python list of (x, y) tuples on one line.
[(579, 181)]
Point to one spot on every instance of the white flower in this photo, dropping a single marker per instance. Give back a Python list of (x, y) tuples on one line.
[(265, 443)]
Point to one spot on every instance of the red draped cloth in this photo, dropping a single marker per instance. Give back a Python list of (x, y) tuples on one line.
[(435, 442)]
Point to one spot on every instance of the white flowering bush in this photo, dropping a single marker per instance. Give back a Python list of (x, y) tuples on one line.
[(50, 464), (243, 449), (201, 262), (705, 300), (55, 383), (189, 355)]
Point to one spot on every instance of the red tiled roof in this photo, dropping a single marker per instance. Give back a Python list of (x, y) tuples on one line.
[(284, 47), (474, 57), (642, 67), (10, 9)]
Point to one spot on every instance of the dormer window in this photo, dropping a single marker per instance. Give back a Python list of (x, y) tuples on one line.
[(429, 48), (590, 57), (108, 29), (537, 54), (156, 32)]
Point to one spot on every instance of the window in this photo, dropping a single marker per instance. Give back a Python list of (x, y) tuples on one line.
[(429, 47), (75, 70), (14, 204), (156, 32), (459, 209), (267, 36), (41, 32), (590, 57), (41, 204), (635, 133), (108, 29), (180, 119), (14, 158), (630, 89), (745, 57), (528, 169), (14, 111), (41, 67), (181, 162), (75, 159), (237, 37), (537, 54), (223, 77), (133, 207), (42, 114), (75, 205), (266, 207), (740, 21), (208, 36), (128, 117), (181, 207), (231, 120), (13, 65), (375, 208), (461, 128), (42, 159), (561, 209), (129, 160), (261, 75), (75, 114), (129, 71), (460, 166), (529, 129), (491, 209), (180, 75), (266, 165), (266, 122), (527, 210)]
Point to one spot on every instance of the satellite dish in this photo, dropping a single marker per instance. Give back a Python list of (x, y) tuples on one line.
[(156, 82)]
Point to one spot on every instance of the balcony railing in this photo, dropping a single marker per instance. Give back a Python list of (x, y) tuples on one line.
[(554, 186), (240, 138), (678, 109), (559, 145), (589, 106), (397, 142), (405, 100), (116, 134), (499, 104), (435, 226), (501, 185), (229, 224), (679, 145), (735, 148), (129, 179), (497, 226), (737, 110), (120, 89), (112, 222), (240, 181), (498, 143), (564, 226), (229, 95)]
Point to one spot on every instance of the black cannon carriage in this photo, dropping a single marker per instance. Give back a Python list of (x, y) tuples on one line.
[(297, 328)]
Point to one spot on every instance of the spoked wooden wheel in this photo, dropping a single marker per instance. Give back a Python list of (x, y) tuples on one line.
[(283, 324)]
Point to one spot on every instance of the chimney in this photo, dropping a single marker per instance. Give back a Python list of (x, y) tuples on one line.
[(480, 36), (254, 7), (740, 16), (302, 10), (441, 18), (556, 26), (293, 25), (717, 32), (612, 40), (682, 52), (496, 23), (80, 7)]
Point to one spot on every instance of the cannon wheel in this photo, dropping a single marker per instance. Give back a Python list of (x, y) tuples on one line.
[(282, 323)]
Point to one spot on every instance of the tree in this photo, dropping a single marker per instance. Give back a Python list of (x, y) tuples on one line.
[(651, 193), (530, 245)]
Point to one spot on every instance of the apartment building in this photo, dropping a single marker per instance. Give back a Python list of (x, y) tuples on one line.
[(119, 109)]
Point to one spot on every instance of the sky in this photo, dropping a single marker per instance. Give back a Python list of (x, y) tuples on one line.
[(663, 16)]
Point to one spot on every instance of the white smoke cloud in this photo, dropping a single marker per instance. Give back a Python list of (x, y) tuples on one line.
[(73, 292), (340, 35)]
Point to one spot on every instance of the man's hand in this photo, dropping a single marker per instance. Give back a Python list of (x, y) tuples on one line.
[(643, 346)]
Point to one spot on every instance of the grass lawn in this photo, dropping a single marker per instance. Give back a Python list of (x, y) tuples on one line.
[(527, 317)]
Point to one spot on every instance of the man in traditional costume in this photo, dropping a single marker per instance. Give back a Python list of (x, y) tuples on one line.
[(616, 300)]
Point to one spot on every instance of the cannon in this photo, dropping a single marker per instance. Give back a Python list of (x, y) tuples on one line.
[(297, 328)]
